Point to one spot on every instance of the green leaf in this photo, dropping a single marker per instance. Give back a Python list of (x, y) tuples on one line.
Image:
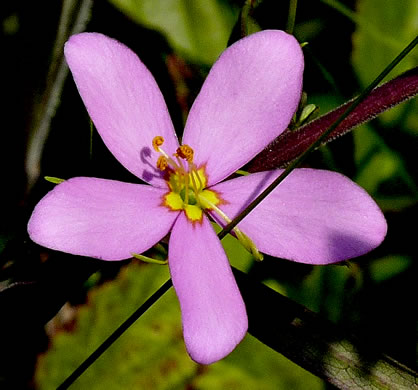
[(378, 164), (198, 29), (388, 267), (375, 161), (322, 290), (390, 27)]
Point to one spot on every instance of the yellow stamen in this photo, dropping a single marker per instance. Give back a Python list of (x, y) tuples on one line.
[(186, 186), (195, 172), (195, 188)]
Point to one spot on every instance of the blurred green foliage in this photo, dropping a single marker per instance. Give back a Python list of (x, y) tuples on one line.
[(384, 28), (197, 29), (151, 354)]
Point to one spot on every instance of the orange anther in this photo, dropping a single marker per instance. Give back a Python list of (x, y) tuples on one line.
[(157, 142), (185, 152), (162, 163)]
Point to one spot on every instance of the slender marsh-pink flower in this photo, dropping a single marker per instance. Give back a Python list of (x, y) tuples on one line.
[(248, 99)]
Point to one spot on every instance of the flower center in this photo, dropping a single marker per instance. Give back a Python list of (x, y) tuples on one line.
[(187, 190), (186, 182)]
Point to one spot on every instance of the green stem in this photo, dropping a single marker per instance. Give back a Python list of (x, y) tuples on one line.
[(291, 17), (73, 19), (245, 12)]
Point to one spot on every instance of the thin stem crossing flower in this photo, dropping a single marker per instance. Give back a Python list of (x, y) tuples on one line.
[(247, 100)]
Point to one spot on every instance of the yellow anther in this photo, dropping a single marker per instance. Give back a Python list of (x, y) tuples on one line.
[(162, 163), (157, 142), (185, 152)]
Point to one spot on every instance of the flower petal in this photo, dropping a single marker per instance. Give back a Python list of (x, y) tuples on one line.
[(123, 101), (313, 216), (213, 312), (247, 100), (100, 218)]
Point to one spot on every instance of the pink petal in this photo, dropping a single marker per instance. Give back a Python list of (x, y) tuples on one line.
[(123, 101), (100, 218), (313, 216), (247, 100), (213, 312)]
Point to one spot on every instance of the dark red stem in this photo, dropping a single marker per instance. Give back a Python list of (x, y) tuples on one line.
[(291, 143)]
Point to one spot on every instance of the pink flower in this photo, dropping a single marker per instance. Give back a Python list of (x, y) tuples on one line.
[(248, 99)]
